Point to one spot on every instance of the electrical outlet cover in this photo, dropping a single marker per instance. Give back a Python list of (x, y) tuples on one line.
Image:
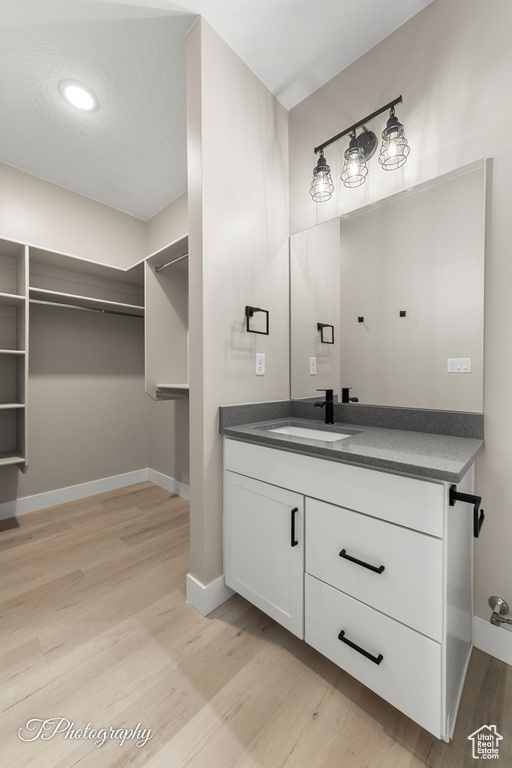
[(260, 364)]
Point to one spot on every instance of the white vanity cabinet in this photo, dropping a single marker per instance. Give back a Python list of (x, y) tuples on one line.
[(371, 568), (264, 548)]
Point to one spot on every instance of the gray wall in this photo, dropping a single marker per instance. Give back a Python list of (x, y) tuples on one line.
[(40, 213), (169, 224), (168, 438), (238, 244), (87, 405), (453, 68)]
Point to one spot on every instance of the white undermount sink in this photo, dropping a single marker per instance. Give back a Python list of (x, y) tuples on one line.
[(311, 434)]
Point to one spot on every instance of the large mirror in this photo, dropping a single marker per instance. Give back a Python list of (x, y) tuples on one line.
[(389, 300)]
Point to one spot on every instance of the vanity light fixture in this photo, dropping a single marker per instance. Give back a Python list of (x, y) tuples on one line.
[(393, 154), (321, 187), (355, 169), (395, 147), (78, 95)]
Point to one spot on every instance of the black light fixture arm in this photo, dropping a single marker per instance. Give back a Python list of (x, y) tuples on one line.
[(359, 124)]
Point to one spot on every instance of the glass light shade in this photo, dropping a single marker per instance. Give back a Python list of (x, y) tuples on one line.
[(321, 187), (355, 169), (395, 148)]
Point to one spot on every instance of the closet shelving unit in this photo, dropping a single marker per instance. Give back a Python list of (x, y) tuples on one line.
[(31, 275), (153, 289), (66, 281), (13, 353), (166, 327)]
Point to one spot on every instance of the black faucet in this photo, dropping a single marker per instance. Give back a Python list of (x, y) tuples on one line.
[(329, 405), (345, 397)]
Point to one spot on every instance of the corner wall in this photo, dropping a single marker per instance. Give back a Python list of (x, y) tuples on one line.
[(38, 212), (453, 69), (168, 225), (238, 245)]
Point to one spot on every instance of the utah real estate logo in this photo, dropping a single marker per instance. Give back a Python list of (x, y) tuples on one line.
[(486, 743)]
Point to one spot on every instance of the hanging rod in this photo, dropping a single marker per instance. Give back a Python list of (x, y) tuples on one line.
[(358, 124), (168, 263), (83, 309)]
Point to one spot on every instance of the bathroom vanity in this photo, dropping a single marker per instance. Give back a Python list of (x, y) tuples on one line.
[(352, 545), (350, 534)]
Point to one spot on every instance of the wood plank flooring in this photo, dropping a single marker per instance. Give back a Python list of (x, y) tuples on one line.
[(94, 627)]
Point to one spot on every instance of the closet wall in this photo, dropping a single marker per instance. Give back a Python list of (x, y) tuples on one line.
[(168, 430), (169, 224), (87, 405), (44, 214), (89, 416)]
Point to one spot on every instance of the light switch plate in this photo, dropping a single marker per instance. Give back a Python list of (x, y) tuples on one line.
[(260, 364), (312, 366), (459, 365)]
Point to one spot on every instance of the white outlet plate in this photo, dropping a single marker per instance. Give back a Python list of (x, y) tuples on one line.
[(459, 365), (312, 366), (260, 364)]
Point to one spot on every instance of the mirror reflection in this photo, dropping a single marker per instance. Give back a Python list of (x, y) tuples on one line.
[(387, 303)]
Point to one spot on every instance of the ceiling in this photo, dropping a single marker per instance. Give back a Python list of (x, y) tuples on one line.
[(131, 152)]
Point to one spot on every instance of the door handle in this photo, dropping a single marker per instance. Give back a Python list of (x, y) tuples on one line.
[(373, 568), (294, 541), (366, 654)]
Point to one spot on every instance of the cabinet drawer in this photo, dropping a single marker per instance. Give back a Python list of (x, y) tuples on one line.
[(409, 674), (415, 504), (409, 588)]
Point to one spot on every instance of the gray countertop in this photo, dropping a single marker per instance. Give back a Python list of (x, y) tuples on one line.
[(434, 456)]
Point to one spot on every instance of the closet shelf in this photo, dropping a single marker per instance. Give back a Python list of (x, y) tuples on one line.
[(11, 300), (10, 457), (85, 302), (11, 406), (172, 391), (12, 351)]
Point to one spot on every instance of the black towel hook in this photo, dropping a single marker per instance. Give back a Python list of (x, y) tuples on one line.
[(478, 520)]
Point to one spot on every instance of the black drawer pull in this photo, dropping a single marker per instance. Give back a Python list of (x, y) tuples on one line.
[(373, 568), (375, 659), (294, 541)]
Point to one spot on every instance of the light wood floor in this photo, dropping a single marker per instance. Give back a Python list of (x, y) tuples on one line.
[(95, 628)]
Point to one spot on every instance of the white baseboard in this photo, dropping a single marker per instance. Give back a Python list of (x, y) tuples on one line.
[(26, 504), (496, 641), (169, 483), (205, 598)]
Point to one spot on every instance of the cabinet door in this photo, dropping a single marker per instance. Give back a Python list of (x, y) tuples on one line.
[(264, 548)]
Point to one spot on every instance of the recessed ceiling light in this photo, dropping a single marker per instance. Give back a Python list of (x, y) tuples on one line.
[(78, 95)]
